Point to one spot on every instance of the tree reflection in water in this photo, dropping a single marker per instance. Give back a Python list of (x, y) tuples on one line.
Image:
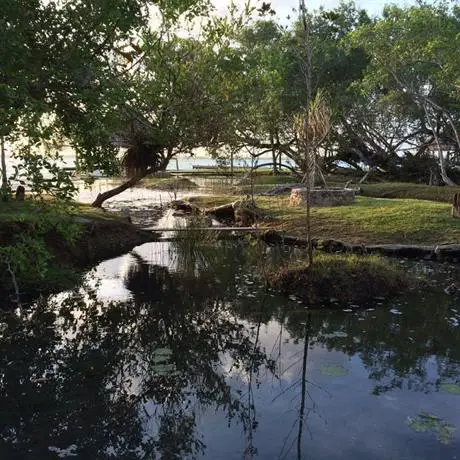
[(129, 379), (124, 379)]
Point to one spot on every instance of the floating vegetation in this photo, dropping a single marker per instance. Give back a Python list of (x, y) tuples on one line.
[(332, 335), (427, 422), (333, 370), (451, 388)]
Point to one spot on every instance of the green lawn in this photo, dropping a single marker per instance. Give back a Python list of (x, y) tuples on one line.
[(369, 220)]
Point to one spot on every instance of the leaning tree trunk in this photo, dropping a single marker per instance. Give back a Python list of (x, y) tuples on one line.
[(102, 197)]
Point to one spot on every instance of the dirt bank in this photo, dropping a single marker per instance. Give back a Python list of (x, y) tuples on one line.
[(100, 239)]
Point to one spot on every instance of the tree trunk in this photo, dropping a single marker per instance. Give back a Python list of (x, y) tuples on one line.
[(102, 197), (445, 178), (456, 206), (3, 166), (272, 142), (232, 170)]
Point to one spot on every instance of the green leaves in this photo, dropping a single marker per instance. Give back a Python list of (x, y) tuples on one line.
[(57, 64)]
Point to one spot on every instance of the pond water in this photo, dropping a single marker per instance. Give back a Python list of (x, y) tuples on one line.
[(179, 351)]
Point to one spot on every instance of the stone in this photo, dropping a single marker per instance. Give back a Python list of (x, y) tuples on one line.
[(322, 197), (20, 193)]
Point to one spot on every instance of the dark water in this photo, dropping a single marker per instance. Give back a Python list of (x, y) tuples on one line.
[(172, 354)]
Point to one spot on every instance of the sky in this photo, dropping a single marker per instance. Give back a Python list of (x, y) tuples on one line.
[(283, 8)]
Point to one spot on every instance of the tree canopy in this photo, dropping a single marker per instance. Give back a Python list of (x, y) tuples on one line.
[(103, 78)]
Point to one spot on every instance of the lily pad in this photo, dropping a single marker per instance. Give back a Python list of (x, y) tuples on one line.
[(428, 422), (451, 388), (332, 370)]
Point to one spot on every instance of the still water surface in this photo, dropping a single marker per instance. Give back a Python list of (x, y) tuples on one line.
[(176, 354)]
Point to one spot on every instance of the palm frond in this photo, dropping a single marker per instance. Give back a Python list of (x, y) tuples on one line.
[(141, 155), (312, 127)]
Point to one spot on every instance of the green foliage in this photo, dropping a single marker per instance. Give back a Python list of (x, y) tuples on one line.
[(62, 78), (413, 76), (18, 257), (43, 175), (29, 229)]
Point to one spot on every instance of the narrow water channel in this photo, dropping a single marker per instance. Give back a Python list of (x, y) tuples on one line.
[(176, 354)]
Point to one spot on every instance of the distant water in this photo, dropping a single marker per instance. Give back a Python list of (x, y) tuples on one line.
[(182, 163), (187, 163)]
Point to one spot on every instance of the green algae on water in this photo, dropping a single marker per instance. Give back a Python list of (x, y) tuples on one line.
[(428, 422), (332, 370), (451, 388)]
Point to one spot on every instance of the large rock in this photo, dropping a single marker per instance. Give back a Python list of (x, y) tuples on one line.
[(322, 197)]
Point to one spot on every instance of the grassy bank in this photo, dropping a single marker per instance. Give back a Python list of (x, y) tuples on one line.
[(46, 245), (168, 183), (407, 190), (369, 220), (341, 279)]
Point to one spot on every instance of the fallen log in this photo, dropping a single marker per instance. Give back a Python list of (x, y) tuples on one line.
[(224, 212), (242, 212)]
